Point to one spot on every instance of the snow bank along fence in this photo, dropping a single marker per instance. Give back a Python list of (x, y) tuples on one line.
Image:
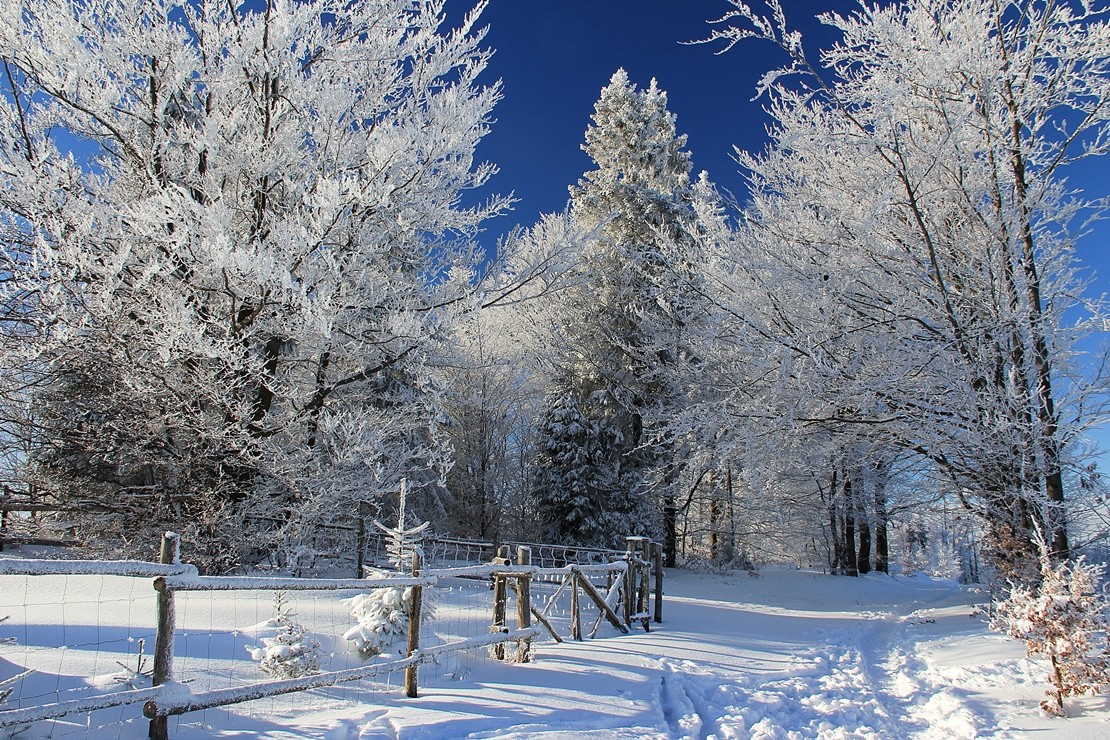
[(619, 591)]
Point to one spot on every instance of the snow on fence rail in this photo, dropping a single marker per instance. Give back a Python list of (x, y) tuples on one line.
[(618, 591)]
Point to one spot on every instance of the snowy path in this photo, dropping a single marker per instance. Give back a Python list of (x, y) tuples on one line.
[(786, 655)]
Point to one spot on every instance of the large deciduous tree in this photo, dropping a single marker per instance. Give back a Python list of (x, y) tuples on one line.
[(916, 224), (232, 237)]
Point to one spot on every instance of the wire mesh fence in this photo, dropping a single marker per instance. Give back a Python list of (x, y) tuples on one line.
[(78, 639)]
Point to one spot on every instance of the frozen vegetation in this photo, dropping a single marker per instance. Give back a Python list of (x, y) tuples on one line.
[(244, 296)]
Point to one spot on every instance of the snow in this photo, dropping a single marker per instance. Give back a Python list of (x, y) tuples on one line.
[(93, 567), (785, 654)]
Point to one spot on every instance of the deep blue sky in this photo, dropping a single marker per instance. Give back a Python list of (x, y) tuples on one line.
[(554, 56)]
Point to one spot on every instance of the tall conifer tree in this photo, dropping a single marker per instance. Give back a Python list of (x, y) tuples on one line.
[(623, 322)]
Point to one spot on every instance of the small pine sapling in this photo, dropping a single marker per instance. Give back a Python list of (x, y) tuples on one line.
[(290, 653), (401, 542), (383, 614), (1064, 619)]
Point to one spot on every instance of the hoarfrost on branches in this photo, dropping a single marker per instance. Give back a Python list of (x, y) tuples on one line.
[(234, 241), (902, 283)]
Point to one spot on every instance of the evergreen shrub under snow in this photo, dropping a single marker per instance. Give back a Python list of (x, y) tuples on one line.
[(290, 653), (383, 619)]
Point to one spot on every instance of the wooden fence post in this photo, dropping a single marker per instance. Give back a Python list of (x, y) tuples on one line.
[(500, 597), (414, 626), (163, 641), (658, 583), (575, 613), (645, 581), (524, 604), (629, 579)]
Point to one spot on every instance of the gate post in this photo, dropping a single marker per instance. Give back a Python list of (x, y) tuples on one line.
[(629, 579), (575, 613), (500, 596), (658, 583), (524, 604)]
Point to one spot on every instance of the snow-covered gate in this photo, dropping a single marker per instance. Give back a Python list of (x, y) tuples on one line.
[(186, 671)]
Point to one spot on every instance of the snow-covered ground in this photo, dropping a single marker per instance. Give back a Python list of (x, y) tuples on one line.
[(787, 654)]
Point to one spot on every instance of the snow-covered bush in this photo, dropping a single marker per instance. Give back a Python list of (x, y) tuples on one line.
[(383, 619), (1064, 619), (290, 653)]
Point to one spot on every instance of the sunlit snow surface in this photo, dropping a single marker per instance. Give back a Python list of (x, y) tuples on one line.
[(788, 654)]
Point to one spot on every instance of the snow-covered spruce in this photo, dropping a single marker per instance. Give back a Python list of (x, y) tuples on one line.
[(383, 619), (290, 653), (1064, 619)]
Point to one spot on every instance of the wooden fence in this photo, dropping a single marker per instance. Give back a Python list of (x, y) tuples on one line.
[(623, 601), (23, 530)]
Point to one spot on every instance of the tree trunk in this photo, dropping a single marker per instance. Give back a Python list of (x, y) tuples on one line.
[(714, 548), (847, 546), (882, 544), (863, 555), (670, 528), (834, 555)]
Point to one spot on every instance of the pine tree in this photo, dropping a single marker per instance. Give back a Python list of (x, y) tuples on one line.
[(383, 618), (624, 321), (290, 653), (572, 482)]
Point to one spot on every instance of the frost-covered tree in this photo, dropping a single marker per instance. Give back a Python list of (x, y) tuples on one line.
[(232, 239), (497, 373), (489, 407), (1064, 618), (623, 326), (912, 227), (382, 617)]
